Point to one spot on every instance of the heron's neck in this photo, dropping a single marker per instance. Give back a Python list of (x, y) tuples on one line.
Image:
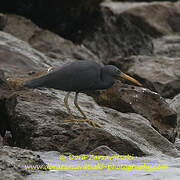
[(106, 80)]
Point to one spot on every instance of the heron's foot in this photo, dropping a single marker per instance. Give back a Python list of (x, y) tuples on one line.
[(92, 123), (71, 121)]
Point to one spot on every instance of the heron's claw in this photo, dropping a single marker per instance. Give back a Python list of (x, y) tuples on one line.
[(92, 123), (71, 121)]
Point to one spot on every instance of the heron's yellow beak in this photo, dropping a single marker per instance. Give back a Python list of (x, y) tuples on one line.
[(125, 76)]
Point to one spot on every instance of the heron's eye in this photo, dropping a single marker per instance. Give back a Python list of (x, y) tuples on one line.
[(117, 71)]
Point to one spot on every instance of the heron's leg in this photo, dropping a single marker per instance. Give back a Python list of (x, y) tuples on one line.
[(84, 115), (77, 106), (68, 108)]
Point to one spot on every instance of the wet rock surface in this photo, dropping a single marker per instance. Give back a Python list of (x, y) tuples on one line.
[(105, 173), (13, 161), (167, 46), (174, 104), (103, 151)]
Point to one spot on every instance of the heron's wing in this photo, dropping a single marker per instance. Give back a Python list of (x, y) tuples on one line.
[(78, 76)]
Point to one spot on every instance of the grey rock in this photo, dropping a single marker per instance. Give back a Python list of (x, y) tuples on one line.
[(14, 50), (126, 98), (57, 47), (2, 77), (72, 24), (20, 27), (13, 161), (168, 45), (8, 139), (103, 151), (177, 143), (1, 141), (174, 104), (4, 117), (3, 21), (37, 122), (43, 121), (46, 41), (166, 20), (115, 35)]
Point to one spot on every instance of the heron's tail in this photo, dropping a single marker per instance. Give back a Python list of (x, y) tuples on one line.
[(37, 81), (34, 83)]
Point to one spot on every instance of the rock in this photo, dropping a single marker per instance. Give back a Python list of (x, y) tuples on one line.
[(71, 19), (13, 161), (167, 46), (37, 123), (13, 51), (159, 73), (177, 144), (110, 35), (139, 129), (166, 20), (8, 139), (103, 151), (56, 47), (45, 41), (142, 101), (119, 7), (2, 77), (3, 21), (174, 104), (93, 138), (44, 121), (1, 141), (20, 27), (5, 98), (116, 36), (16, 64)]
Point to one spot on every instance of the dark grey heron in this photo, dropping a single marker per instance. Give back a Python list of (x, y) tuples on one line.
[(79, 76)]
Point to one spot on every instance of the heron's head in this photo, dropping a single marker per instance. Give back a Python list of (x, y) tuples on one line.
[(117, 73)]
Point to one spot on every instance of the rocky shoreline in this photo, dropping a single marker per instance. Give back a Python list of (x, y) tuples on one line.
[(140, 38)]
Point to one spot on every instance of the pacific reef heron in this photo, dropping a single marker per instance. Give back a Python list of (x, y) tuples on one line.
[(79, 76)]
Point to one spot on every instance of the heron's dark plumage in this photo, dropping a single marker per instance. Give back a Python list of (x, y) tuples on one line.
[(77, 76)]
